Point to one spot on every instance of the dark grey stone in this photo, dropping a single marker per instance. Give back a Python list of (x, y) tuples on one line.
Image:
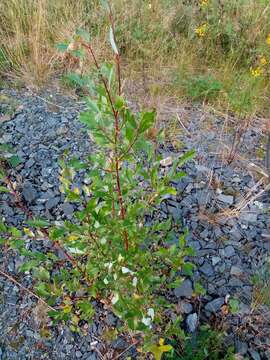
[(119, 344), (185, 307), (215, 305), (215, 260), (229, 251), (52, 202), (226, 199), (241, 347), (29, 192), (192, 321), (207, 269), (184, 290), (249, 217), (236, 271)]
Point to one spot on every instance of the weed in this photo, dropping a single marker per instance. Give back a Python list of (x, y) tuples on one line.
[(203, 88), (261, 287), (207, 344)]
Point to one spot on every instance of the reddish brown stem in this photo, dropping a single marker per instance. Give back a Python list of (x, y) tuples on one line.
[(116, 126)]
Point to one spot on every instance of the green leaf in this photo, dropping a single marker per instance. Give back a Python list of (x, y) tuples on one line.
[(199, 289), (3, 227), (186, 157), (29, 265), (78, 53), (112, 41), (57, 233), (87, 309), (130, 119), (15, 232), (14, 160), (4, 189), (105, 5), (62, 47), (119, 103), (83, 34), (188, 269), (38, 223), (41, 274), (77, 164), (129, 133), (234, 306), (42, 290), (147, 121)]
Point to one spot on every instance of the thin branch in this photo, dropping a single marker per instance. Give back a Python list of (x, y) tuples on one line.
[(31, 293)]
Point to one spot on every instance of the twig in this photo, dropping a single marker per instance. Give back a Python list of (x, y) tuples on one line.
[(126, 350), (181, 123), (10, 278)]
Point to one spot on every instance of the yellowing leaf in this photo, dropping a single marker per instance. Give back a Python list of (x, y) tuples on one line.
[(67, 309), (72, 237), (161, 342), (158, 351), (76, 191)]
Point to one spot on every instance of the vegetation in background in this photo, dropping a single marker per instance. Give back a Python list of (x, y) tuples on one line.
[(209, 50), (261, 289)]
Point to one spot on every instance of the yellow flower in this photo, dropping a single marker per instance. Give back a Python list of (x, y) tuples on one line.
[(268, 39), (256, 72), (203, 3), (263, 60), (201, 30)]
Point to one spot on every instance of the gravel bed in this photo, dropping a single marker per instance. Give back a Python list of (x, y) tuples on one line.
[(230, 250)]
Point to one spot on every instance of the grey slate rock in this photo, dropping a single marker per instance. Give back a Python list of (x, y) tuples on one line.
[(215, 305), (249, 217), (215, 260), (207, 269), (184, 290), (254, 355), (241, 347), (52, 202), (236, 271), (226, 199), (29, 192), (229, 251), (185, 307), (192, 321)]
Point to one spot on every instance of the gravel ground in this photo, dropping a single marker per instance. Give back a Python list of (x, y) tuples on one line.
[(230, 250)]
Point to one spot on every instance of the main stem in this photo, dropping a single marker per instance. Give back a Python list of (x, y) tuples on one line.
[(116, 134)]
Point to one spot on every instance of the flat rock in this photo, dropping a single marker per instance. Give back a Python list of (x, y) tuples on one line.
[(207, 269), (192, 321), (185, 307), (254, 355), (226, 199), (29, 192), (215, 305), (236, 271), (249, 217), (241, 347), (184, 290), (215, 260), (229, 251)]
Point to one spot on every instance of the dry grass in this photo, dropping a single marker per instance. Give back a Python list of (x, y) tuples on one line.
[(158, 43), (29, 31)]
